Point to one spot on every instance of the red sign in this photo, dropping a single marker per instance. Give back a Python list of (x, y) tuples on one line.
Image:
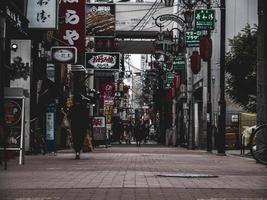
[(12, 112), (107, 91), (72, 23)]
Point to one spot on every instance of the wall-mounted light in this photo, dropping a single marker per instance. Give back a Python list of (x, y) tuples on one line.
[(14, 47)]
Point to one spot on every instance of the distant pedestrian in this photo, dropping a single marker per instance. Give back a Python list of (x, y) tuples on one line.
[(129, 133), (79, 123), (146, 131), (138, 132)]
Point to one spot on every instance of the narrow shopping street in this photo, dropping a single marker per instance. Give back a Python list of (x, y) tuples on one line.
[(129, 172)]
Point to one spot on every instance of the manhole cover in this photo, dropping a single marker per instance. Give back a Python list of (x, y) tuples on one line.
[(188, 175)]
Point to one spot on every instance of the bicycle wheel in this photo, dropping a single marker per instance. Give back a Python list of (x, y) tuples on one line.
[(258, 144)]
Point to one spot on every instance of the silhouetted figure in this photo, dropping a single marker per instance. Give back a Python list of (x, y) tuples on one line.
[(138, 132), (79, 123)]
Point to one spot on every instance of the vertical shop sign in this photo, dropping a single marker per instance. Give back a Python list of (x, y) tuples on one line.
[(108, 109), (107, 92), (192, 38), (72, 23), (51, 115), (100, 20), (42, 14), (50, 126)]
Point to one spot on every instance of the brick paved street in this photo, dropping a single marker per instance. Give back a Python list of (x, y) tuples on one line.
[(130, 173)]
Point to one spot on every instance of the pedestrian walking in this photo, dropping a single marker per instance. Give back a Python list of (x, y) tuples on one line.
[(138, 132), (79, 123)]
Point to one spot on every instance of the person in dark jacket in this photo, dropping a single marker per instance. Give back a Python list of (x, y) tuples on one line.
[(138, 132), (79, 123)]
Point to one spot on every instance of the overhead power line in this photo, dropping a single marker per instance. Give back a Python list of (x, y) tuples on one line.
[(145, 15)]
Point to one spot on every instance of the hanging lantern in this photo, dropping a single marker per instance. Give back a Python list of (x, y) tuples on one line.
[(195, 62), (205, 47)]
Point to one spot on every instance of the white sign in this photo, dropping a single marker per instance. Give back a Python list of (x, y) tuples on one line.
[(42, 14), (64, 54), (234, 118), (129, 15), (103, 61), (50, 126)]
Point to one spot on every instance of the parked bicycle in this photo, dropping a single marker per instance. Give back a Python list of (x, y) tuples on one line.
[(258, 143)]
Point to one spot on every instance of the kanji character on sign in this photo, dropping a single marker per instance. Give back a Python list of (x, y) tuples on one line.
[(42, 2), (42, 16), (72, 17), (71, 35)]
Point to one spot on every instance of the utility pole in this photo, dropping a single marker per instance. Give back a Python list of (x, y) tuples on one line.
[(222, 104), (3, 136), (2, 63), (261, 64), (209, 105)]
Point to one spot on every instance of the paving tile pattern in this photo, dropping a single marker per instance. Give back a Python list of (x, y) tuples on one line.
[(131, 173)]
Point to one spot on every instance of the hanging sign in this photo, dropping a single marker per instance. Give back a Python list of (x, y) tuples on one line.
[(102, 61), (42, 14), (72, 24), (64, 54), (192, 38), (204, 19)]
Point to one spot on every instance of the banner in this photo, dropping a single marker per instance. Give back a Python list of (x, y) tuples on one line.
[(72, 24)]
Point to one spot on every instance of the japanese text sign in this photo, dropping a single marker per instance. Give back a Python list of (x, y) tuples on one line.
[(192, 38), (204, 19), (62, 54), (100, 19), (169, 79), (72, 23), (42, 14), (102, 61), (179, 63)]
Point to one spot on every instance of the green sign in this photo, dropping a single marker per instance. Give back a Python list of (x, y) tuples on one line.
[(179, 63), (169, 79), (204, 19), (192, 38)]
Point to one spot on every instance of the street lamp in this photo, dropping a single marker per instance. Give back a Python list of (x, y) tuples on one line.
[(188, 17), (168, 3)]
